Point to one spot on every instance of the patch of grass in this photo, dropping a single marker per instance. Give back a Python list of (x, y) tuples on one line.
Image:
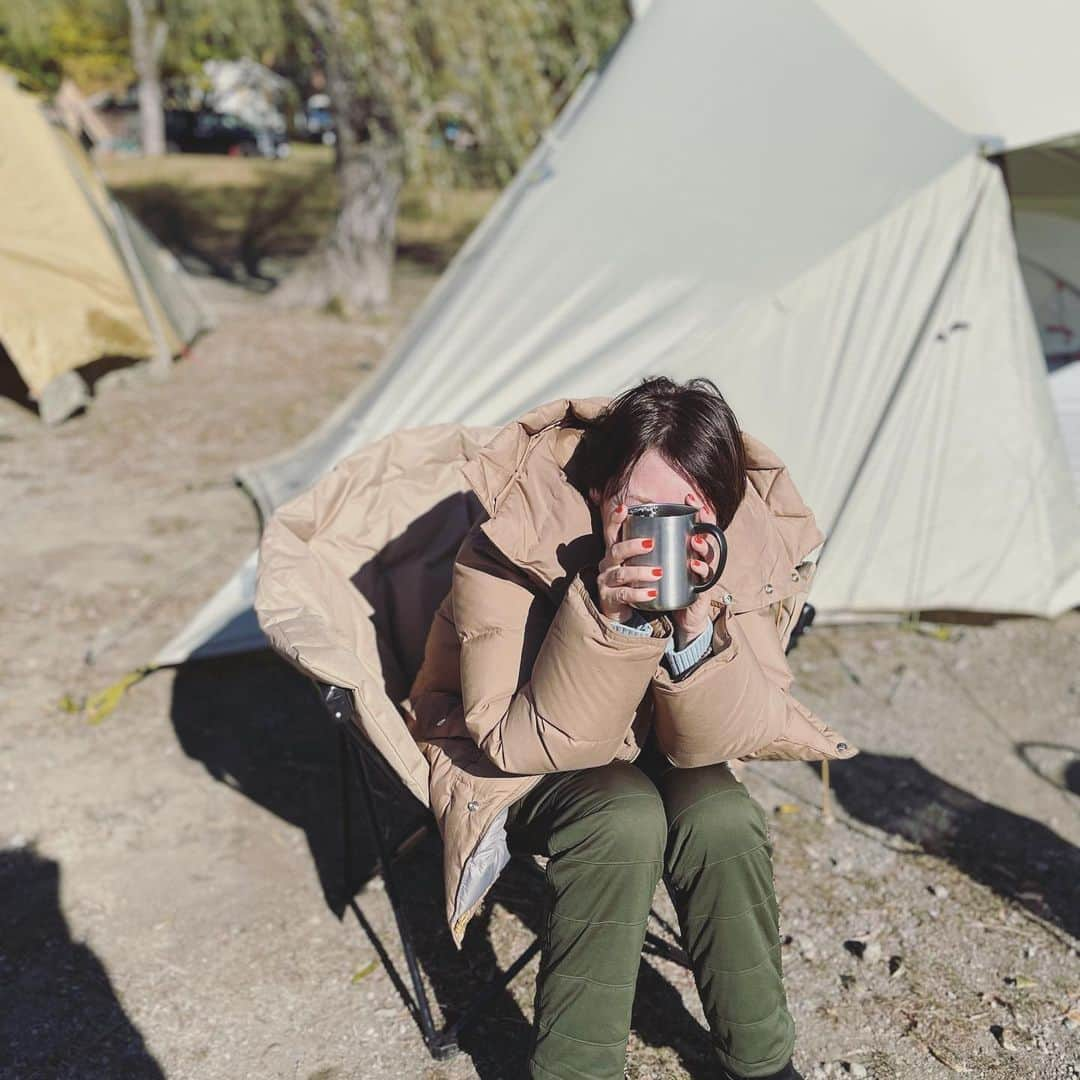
[(334, 307), (232, 213)]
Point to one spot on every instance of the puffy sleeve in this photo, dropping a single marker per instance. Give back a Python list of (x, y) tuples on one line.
[(542, 690)]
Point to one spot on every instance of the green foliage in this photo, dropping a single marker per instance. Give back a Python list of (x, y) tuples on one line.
[(492, 72), (201, 30), (43, 40), (497, 71), (87, 40)]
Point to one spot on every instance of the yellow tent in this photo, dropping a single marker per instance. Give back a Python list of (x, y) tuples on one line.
[(79, 279)]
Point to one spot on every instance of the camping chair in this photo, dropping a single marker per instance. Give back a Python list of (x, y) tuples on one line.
[(350, 575)]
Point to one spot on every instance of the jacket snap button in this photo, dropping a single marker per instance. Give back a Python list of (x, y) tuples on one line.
[(472, 805), (841, 746), (769, 589), (728, 598)]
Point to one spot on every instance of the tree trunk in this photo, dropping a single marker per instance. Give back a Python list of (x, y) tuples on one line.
[(351, 269), (148, 34)]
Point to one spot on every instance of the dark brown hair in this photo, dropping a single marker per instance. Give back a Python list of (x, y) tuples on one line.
[(689, 424)]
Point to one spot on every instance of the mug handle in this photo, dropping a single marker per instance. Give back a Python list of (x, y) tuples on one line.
[(706, 528)]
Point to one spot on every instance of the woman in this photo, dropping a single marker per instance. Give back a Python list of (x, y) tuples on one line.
[(542, 684)]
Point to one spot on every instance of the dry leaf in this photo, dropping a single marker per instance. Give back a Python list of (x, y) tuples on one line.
[(947, 1059), (365, 971)]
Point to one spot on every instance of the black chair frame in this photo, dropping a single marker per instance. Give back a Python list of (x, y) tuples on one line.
[(358, 759)]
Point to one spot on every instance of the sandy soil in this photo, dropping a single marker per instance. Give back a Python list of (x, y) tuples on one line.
[(170, 876)]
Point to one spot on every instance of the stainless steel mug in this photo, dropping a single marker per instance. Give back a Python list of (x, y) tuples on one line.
[(670, 526)]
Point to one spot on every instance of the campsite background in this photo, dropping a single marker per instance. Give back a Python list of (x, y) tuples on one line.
[(169, 844)]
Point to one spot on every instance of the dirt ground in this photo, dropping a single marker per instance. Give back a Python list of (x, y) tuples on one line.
[(170, 876)]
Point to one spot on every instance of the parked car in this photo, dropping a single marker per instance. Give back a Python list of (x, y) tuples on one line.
[(202, 131)]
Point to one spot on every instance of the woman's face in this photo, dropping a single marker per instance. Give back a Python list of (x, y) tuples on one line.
[(653, 480)]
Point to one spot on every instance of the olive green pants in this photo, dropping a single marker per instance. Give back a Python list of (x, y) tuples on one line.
[(609, 833)]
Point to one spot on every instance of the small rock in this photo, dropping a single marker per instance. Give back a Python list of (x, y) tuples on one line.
[(864, 949), (855, 1069), (939, 891), (855, 947), (1004, 1037)]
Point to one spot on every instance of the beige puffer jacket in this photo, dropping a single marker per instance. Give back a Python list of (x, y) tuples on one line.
[(523, 676)]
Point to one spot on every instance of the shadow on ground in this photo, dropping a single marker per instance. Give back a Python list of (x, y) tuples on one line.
[(1020, 859), (258, 726), (249, 234), (59, 1015), (229, 230)]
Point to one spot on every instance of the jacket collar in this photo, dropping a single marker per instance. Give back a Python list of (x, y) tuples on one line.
[(542, 523)]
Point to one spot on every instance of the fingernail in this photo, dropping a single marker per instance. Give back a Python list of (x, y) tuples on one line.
[(652, 593), (647, 545), (620, 508), (657, 571)]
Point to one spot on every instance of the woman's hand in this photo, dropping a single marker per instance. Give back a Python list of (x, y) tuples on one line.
[(694, 620), (621, 586)]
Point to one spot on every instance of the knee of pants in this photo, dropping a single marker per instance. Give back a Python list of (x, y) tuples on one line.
[(628, 825), (713, 830)]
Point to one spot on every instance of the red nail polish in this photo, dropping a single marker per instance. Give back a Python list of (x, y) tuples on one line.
[(652, 593), (657, 572), (647, 544)]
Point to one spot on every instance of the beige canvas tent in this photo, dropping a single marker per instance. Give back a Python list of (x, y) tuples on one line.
[(1008, 74), (80, 280), (745, 192)]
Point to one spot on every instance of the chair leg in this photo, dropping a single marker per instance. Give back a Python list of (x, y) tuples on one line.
[(346, 815), (439, 1045)]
